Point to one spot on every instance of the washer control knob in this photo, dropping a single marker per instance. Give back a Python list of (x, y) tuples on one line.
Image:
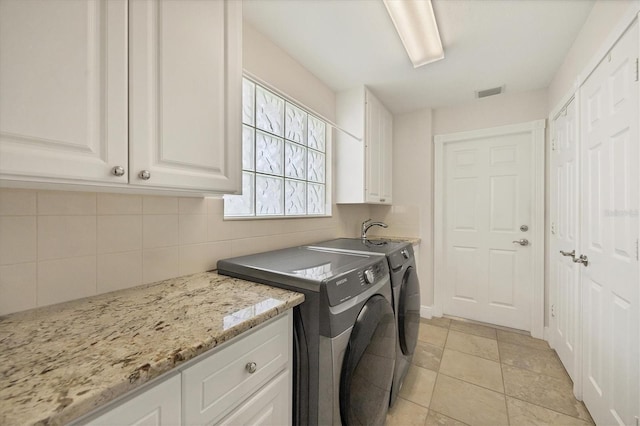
[(405, 253), (369, 276)]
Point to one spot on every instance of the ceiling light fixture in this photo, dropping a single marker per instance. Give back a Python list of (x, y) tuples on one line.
[(416, 25)]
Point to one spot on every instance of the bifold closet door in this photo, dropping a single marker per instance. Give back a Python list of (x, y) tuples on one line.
[(565, 220), (608, 234)]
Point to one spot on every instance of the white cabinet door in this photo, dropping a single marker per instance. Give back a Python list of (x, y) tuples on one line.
[(386, 158), (608, 235), (270, 406), (565, 284), (185, 94), (63, 86), (373, 143), (157, 406)]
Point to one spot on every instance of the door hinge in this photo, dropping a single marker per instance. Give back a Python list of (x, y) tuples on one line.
[(637, 257), (553, 144), (553, 310), (636, 69), (553, 228)]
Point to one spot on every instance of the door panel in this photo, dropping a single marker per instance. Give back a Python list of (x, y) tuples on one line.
[(488, 184), (564, 286), (609, 231)]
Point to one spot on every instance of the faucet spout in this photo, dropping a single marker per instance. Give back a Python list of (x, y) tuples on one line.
[(368, 224)]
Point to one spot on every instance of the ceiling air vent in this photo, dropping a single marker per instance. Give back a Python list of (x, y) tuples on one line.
[(489, 92)]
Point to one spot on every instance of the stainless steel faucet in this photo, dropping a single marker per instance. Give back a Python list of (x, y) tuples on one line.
[(368, 224)]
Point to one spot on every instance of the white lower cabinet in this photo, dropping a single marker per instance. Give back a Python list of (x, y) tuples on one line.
[(159, 405), (270, 406), (247, 381)]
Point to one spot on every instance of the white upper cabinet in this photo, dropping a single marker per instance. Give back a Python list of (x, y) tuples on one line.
[(363, 167), (130, 94), (63, 90), (185, 84)]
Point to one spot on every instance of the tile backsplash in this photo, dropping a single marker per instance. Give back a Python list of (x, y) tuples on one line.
[(57, 246)]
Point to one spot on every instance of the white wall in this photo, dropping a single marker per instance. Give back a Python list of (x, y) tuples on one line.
[(604, 17), (57, 246), (268, 62), (499, 110)]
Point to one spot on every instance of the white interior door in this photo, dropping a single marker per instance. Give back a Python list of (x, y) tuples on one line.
[(487, 198), (565, 220), (609, 230)]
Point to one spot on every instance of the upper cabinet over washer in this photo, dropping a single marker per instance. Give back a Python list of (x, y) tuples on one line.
[(363, 167), (124, 94)]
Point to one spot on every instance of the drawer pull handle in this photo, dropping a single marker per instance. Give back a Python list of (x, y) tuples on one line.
[(251, 367)]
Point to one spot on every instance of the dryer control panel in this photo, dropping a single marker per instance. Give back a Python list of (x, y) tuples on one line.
[(350, 284)]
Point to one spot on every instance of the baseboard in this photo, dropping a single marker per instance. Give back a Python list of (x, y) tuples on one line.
[(426, 311)]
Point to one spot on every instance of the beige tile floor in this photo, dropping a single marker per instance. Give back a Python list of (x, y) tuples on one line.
[(468, 373)]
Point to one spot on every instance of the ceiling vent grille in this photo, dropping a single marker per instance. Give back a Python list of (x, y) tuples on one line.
[(489, 92)]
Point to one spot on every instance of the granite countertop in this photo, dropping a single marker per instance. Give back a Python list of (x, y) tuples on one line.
[(412, 240), (60, 362)]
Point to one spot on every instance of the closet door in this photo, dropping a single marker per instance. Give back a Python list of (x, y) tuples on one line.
[(609, 231), (565, 220)]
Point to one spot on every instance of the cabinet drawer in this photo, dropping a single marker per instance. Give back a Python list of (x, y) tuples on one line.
[(223, 380), (271, 405)]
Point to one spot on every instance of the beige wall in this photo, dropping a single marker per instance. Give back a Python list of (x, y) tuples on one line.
[(604, 17), (57, 246), (499, 110)]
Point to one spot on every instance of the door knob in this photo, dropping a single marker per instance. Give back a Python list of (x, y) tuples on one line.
[(571, 253), (522, 242), (582, 259)]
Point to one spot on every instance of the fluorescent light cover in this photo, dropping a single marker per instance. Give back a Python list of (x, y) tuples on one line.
[(417, 28)]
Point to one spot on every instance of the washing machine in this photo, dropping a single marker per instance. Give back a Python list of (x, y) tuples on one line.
[(344, 331), (406, 294)]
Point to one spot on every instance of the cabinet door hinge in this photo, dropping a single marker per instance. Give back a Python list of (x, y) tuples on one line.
[(553, 228), (637, 257), (636, 69), (553, 144)]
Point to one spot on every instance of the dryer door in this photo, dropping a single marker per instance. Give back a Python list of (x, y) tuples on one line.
[(409, 311), (367, 368)]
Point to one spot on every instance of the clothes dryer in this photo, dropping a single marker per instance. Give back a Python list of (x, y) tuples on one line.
[(406, 294), (344, 331)]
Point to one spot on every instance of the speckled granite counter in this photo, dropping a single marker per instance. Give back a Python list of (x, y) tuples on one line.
[(412, 240), (60, 362)]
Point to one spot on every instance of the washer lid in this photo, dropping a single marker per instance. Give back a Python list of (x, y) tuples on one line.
[(300, 267)]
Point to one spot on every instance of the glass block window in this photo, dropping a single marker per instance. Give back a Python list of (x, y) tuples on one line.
[(283, 158)]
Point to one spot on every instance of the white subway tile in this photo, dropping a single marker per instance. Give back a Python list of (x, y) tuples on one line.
[(193, 229), (66, 279), (17, 239), (119, 204), (159, 205), (119, 233), (117, 271), (66, 236), (218, 229), (17, 202), (160, 264), (17, 287), (202, 257), (193, 205), (160, 231), (66, 203), (215, 205)]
